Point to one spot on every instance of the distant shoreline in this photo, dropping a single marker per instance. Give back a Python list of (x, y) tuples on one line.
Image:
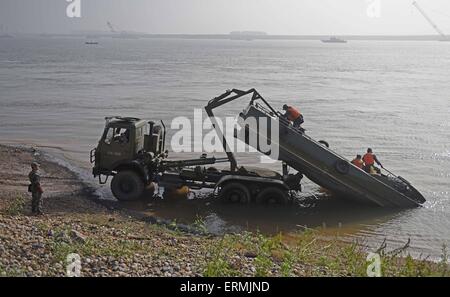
[(93, 35)]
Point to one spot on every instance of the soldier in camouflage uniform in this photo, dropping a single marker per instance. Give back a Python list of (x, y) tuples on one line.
[(35, 189)]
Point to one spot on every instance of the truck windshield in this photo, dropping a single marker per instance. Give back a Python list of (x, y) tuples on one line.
[(117, 135)]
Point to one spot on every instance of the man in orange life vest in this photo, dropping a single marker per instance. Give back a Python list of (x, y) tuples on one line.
[(293, 115), (358, 162), (369, 161)]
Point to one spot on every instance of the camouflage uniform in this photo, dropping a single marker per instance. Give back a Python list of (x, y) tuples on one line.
[(36, 191)]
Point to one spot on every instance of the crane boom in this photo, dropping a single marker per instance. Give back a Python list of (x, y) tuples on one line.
[(435, 27), (111, 28)]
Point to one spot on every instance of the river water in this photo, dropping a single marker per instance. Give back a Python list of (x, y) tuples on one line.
[(391, 96)]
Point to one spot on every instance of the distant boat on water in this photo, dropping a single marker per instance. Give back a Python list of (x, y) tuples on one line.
[(334, 40), (91, 42)]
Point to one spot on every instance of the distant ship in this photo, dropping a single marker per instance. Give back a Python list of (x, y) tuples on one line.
[(334, 40), (91, 42)]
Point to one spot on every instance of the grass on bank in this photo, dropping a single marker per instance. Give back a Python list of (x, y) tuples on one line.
[(309, 255), (15, 206), (305, 254)]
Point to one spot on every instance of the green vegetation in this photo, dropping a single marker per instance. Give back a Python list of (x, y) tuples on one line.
[(218, 264), (443, 264), (310, 255), (62, 245), (15, 206), (200, 224), (10, 273), (249, 253)]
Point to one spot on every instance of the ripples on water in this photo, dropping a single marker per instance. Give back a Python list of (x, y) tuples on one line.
[(392, 96)]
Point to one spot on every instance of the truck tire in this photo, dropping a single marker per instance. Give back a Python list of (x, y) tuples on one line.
[(127, 186), (235, 193), (272, 195)]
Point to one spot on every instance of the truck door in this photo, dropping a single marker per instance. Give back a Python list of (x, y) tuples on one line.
[(117, 145)]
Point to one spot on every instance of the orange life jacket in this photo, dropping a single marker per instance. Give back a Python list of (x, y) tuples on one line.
[(292, 113), (369, 159), (358, 163)]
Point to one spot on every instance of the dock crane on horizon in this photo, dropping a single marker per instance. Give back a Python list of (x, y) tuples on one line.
[(111, 28), (121, 34), (435, 27)]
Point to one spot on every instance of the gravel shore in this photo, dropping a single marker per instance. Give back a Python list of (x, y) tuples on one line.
[(113, 242), (110, 243)]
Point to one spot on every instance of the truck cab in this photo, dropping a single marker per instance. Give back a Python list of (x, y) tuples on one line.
[(123, 140)]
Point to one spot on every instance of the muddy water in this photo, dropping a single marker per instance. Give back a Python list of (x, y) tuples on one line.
[(391, 96)]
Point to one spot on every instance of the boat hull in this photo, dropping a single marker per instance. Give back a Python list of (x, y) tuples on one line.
[(330, 170)]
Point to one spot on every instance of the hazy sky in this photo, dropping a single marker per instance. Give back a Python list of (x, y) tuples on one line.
[(222, 16)]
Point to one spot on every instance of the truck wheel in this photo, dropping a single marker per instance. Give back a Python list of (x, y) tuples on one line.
[(235, 193), (127, 185), (272, 195)]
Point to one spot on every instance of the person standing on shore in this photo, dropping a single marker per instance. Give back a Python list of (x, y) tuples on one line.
[(35, 189)]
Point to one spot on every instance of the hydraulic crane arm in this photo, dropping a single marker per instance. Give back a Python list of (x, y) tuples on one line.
[(225, 98), (111, 28)]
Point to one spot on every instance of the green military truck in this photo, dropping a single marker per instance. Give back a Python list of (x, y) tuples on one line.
[(132, 152)]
